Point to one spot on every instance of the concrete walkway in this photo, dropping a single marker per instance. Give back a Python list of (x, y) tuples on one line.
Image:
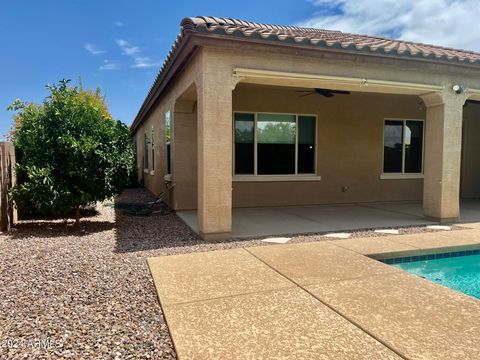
[(321, 300), (257, 222)]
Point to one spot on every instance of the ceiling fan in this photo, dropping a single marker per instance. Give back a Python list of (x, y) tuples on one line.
[(324, 92)]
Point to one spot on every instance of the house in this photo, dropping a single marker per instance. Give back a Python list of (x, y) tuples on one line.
[(252, 115)]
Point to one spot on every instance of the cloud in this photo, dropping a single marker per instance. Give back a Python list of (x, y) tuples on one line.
[(110, 65), (127, 48), (440, 22), (134, 52), (93, 49), (119, 23), (143, 62)]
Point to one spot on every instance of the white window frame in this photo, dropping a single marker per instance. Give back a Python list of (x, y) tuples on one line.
[(280, 177), (403, 174), (168, 175), (152, 150), (146, 150)]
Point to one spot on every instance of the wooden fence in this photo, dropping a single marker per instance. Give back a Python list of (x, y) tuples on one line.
[(8, 213)]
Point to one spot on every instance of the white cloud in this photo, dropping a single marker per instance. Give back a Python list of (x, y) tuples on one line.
[(144, 62), (93, 49), (119, 24), (134, 52), (110, 65), (127, 49), (452, 23)]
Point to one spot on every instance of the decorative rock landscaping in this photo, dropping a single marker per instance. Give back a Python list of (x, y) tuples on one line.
[(87, 292)]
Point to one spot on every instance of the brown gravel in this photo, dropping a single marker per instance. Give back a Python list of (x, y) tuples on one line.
[(88, 290)]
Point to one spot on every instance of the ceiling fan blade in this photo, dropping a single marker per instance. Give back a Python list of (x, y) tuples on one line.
[(307, 94), (340, 92), (327, 94)]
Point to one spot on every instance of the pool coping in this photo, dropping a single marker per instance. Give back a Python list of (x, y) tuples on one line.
[(434, 251), (416, 256)]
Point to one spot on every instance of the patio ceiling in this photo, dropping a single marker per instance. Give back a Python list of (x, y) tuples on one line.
[(277, 78)]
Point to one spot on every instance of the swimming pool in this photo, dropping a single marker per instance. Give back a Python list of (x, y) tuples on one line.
[(461, 273)]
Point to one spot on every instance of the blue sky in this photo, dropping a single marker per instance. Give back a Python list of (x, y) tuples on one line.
[(119, 45)]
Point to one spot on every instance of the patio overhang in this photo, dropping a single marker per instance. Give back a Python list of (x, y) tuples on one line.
[(289, 79), (277, 78)]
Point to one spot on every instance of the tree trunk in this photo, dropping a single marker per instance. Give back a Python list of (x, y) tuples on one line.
[(77, 215)]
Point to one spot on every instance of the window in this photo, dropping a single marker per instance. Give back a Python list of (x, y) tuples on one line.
[(168, 139), (244, 143), (274, 144), (145, 152), (403, 146), (152, 147)]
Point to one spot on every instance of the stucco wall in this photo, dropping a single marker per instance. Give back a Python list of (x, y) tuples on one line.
[(185, 155), (179, 90), (470, 182), (350, 148), (350, 128)]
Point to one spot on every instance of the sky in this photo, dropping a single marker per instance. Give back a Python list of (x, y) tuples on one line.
[(119, 45)]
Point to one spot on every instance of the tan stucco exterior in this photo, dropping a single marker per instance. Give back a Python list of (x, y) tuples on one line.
[(350, 130)]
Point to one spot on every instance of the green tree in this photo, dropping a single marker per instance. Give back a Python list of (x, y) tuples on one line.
[(71, 152)]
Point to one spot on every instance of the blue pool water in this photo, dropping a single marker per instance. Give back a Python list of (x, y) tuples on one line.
[(460, 273)]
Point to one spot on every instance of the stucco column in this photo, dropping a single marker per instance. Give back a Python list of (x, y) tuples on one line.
[(214, 115), (443, 146), (185, 155)]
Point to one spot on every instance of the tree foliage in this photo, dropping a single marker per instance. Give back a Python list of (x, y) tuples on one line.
[(70, 151)]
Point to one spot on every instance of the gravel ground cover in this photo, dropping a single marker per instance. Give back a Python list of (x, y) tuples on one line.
[(86, 292)]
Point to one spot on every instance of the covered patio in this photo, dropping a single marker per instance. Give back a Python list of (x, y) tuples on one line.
[(348, 170), (260, 144), (292, 220)]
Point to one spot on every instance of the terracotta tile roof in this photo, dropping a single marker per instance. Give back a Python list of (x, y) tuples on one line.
[(325, 39), (316, 38)]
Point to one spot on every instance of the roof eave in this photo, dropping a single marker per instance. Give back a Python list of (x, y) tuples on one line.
[(322, 46), (192, 39)]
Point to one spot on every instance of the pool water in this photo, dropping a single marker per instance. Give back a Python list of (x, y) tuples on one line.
[(461, 273)]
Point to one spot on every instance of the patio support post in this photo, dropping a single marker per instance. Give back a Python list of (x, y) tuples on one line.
[(215, 153), (443, 145)]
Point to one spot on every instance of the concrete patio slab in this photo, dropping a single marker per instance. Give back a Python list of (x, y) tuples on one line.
[(319, 262), (432, 240), (470, 210), (199, 276), (352, 216), (418, 318), (466, 236), (285, 324), (412, 208), (257, 222), (374, 245)]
